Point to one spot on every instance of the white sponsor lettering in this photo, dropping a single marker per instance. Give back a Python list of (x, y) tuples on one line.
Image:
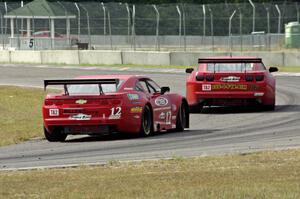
[(80, 116)]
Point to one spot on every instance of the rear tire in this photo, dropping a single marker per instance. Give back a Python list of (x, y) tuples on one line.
[(146, 123), (181, 118), (55, 136)]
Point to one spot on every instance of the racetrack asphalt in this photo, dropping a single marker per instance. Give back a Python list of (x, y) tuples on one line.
[(215, 131)]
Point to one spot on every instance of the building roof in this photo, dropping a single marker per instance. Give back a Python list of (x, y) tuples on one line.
[(40, 9)]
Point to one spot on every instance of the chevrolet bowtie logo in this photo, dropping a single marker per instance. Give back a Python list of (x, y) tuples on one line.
[(81, 101)]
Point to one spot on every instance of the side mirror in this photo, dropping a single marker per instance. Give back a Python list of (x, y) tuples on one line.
[(189, 70), (273, 69), (164, 89)]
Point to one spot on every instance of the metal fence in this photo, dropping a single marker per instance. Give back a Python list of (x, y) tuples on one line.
[(120, 26)]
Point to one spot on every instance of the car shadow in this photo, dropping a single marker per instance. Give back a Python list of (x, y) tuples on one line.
[(122, 136)]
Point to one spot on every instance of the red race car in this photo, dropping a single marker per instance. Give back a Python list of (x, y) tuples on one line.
[(112, 103), (227, 81)]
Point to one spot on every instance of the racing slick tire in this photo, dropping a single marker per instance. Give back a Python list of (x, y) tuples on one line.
[(181, 118), (55, 136), (146, 124)]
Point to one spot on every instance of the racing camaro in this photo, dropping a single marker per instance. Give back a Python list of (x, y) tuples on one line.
[(104, 104), (227, 81)]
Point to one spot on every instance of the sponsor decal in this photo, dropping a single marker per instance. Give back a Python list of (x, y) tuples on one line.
[(115, 113), (53, 112), (206, 87), (174, 107), (81, 101), (162, 108), (258, 94), (229, 87), (136, 117), (133, 96), (161, 101), (162, 116), (136, 109), (80, 117), (128, 89), (230, 79)]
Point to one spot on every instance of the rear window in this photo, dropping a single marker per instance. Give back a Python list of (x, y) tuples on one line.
[(93, 89), (235, 67)]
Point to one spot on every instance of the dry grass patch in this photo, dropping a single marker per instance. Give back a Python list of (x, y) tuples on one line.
[(20, 114), (259, 175)]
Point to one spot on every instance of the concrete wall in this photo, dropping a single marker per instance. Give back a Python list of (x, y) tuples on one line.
[(100, 57), (146, 58), (4, 56), (76, 57), (60, 57), (25, 57)]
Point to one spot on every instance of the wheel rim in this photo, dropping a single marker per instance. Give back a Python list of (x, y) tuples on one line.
[(146, 121)]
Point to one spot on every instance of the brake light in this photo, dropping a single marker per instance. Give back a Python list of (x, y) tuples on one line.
[(259, 78), (210, 78), (199, 77), (249, 78)]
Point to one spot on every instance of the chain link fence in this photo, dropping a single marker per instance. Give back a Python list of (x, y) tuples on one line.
[(122, 26)]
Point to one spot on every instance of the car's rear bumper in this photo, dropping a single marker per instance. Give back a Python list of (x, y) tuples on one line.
[(94, 125), (232, 97)]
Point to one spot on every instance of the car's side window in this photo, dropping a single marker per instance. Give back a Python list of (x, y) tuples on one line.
[(140, 86), (154, 88)]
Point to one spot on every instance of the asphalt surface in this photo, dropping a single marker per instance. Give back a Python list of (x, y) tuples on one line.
[(216, 131)]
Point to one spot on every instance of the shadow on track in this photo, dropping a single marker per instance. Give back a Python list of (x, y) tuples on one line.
[(247, 109), (157, 135)]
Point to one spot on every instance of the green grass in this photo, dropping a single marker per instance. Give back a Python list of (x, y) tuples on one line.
[(20, 114), (259, 175)]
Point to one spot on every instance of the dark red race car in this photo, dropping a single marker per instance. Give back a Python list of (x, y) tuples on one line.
[(227, 81), (112, 103)]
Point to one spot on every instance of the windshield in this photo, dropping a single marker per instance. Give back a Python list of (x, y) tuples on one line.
[(235, 67), (93, 89)]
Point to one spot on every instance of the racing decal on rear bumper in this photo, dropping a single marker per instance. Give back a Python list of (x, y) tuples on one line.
[(229, 87), (206, 87), (53, 112), (161, 101), (80, 116)]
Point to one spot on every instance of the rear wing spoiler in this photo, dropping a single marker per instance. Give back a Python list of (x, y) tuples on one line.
[(230, 60), (66, 82)]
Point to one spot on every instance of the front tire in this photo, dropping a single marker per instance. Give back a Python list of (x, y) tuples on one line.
[(146, 123), (55, 136)]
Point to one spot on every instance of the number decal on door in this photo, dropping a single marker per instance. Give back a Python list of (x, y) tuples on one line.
[(168, 117), (115, 113)]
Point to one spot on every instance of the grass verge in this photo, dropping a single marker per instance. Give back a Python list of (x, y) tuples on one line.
[(259, 175), (20, 114)]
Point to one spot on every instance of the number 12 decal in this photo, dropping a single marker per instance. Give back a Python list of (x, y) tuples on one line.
[(115, 113)]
